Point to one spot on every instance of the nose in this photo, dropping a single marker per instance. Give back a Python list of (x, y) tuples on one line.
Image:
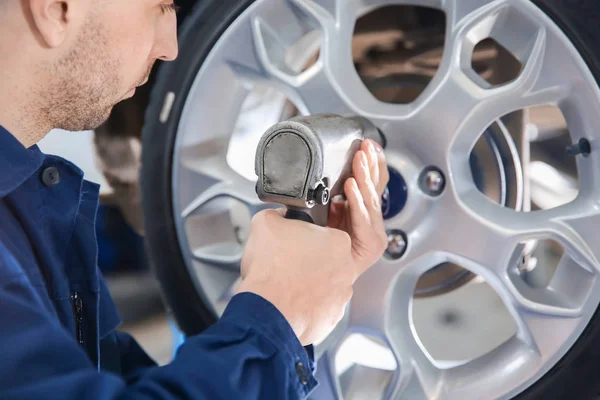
[(166, 47)]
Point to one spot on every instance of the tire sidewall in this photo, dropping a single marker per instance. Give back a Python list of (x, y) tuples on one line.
[(199, 34)]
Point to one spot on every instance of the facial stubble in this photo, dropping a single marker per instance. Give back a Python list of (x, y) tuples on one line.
[(83, 86)]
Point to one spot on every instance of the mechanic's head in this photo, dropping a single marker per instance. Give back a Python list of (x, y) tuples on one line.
[(78, 58)]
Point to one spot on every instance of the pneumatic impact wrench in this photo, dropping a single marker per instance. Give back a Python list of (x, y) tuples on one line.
[(303, 163)]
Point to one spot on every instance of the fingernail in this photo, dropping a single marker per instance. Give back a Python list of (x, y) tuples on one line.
[(377, 146)]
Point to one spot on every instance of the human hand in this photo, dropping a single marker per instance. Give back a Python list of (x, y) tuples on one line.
[(307, 271), (371, 162)]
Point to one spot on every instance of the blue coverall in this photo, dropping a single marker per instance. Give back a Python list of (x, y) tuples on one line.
[(58, 337)]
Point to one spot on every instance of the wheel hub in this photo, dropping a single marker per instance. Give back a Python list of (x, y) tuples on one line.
[(395, 196)]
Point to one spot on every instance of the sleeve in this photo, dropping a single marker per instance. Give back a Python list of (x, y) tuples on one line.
[(251, 353), (135, 362)]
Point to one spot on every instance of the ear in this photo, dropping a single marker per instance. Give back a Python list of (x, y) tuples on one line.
[(51, 18)]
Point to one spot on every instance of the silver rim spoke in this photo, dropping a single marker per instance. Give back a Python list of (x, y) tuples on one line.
[(559, 307), (336, 57), (567, 224), (461, 9), (221, 255), (311, 91), (224, 254), (242, 191), (381, 287), (534, 327), (573, 230), (469, 106), (501, 360), (323, 14)]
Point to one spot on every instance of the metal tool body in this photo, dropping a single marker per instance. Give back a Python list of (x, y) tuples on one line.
[(302, 163)]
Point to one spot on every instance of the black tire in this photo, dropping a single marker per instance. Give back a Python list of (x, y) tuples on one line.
[(574, 377), (200, 32)]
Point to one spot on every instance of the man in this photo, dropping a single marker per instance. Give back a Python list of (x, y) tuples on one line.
[(65, 64)]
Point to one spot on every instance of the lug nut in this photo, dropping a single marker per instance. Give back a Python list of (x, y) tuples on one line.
[(432, 181), (397, 244)]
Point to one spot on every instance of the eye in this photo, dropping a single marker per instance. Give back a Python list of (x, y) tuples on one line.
[(167, 8)]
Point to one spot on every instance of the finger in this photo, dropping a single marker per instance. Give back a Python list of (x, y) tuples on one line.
[(359, 216), (369, 194), (373, 162), (363, 239), (384, 179), (384, 173), (336, 214)]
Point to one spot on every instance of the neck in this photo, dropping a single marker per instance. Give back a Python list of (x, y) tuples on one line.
[(20, 113)]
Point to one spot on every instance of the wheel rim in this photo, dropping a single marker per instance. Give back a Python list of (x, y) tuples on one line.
[(213, 180)]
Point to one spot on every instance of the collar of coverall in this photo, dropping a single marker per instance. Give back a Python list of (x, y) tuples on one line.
[(17, 163)]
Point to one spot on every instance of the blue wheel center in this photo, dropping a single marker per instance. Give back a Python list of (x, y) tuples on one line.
[(395, 195)]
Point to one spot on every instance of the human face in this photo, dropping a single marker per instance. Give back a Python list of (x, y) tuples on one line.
[(113, 53)]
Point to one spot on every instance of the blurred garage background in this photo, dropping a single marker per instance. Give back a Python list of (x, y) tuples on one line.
[(121, 255)]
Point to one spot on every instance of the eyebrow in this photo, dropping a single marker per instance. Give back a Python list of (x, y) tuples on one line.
[(173, 7)]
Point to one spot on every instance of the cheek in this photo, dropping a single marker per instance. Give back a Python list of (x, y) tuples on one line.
[(132, 42)]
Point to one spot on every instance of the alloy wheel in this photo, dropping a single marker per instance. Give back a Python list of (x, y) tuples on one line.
[(283, 57)]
